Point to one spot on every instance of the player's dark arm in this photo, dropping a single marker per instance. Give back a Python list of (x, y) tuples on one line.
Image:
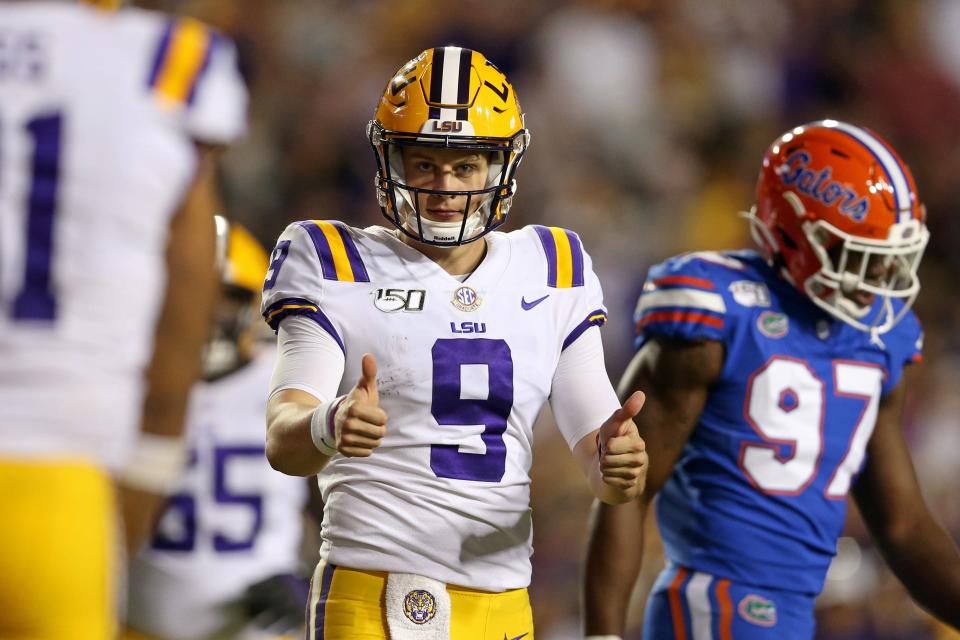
[(676, 377), (918, 550), (185, 318)]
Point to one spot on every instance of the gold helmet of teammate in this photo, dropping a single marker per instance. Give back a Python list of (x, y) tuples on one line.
[(243, 263), (451, 98)]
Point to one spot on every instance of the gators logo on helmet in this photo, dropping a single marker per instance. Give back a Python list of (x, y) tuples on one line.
[(837, 210)]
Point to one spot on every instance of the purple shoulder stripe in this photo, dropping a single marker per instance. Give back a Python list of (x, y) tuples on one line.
[(215, 41), (300, 307), (161, 53), (327, 252), (550, 248), (596, 318)]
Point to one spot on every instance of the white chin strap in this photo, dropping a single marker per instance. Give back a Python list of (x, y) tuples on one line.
[(848, 306), (445, 231)]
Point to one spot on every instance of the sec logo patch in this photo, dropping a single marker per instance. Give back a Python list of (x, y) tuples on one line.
[(466, 299)]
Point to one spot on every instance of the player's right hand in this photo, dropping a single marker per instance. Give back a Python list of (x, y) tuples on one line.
[(359, 422)]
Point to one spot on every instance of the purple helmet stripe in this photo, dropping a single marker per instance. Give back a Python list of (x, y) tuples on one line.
[(463, 82)]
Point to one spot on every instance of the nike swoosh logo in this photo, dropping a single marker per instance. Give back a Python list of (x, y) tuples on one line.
[(522, 634), (526, 307)]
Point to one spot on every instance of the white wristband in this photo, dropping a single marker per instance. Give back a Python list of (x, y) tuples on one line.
[(155, 464), (322, 430)]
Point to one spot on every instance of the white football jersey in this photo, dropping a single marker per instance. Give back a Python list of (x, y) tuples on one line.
[(463, 370), (231, 522), (98, 116)]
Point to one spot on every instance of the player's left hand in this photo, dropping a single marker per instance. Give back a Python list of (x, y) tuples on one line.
[(277, 602), (621, 450)]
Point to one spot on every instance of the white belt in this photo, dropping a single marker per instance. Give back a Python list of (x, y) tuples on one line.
[(418, 608)]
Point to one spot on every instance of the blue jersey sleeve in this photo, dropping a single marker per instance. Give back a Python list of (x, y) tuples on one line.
[(904, 344), (681, 299)]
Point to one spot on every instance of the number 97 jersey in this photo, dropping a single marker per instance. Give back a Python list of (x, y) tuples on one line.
[(759, 492), (464, 368)]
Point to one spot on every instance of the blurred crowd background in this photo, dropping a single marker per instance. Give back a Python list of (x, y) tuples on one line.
[(649, 119)]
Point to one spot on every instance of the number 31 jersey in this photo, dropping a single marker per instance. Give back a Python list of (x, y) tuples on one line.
[(98, 117), (759, 492), (463, 371)]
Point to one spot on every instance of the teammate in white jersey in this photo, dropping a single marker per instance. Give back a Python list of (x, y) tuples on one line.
[(414, 361), (106, 285), (233, 521)]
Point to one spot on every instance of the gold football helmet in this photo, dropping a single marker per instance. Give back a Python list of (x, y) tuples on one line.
[(243, 263), (454, 98)]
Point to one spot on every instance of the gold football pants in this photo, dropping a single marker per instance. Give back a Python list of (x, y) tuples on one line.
[(57, 551), (347, 604)]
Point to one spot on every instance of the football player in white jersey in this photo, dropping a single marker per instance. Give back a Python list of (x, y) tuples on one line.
[(232, 521), (106, 286), (414, 360)]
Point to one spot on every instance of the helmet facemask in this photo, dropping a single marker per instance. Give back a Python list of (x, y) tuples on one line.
[(859, 274), (485, 208), (233, 334)]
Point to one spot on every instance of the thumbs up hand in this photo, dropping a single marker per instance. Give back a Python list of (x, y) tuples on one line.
[(359, 422), (621, 451)]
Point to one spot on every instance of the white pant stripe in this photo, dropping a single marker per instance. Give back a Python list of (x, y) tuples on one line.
[(698, 602)]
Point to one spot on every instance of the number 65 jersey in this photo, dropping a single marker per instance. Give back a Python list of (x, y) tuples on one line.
[(759, 492), (463, 371)]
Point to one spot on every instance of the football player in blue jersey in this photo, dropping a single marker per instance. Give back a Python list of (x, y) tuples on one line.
[(775, 387)]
